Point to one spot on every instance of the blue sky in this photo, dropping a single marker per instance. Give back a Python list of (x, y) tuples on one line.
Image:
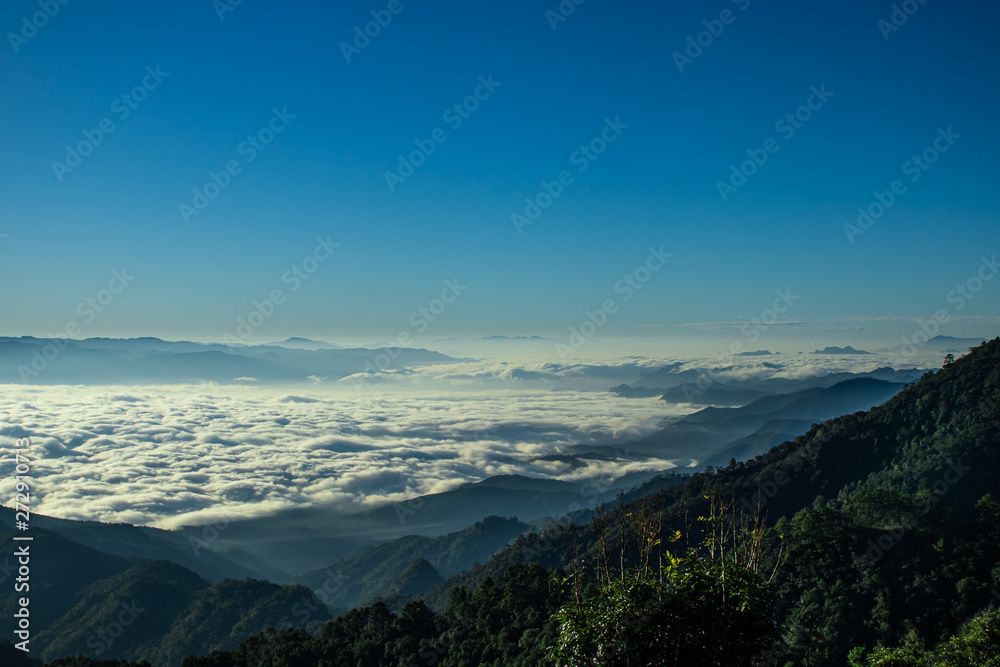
[(324, 173)]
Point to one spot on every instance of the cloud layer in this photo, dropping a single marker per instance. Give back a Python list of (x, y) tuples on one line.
[(170, 455)]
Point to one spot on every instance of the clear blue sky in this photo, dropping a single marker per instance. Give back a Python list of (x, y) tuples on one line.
[(656, 184)]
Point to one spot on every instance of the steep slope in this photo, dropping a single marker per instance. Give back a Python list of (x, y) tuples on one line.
[(118, 616), (419, 577), (161, 612), (224, 615), (689, 386), (375, 570), (60, 571), (84, 601), (306, 539), (771, 434), (705, 433), (128, 541), (889, 517)]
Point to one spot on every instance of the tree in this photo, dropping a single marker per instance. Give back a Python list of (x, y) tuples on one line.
[(978, 645), (710, 607)]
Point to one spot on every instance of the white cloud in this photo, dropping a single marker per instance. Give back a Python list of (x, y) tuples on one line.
[(170, 455)]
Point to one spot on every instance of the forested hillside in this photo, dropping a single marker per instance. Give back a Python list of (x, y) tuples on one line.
[(883, 529)]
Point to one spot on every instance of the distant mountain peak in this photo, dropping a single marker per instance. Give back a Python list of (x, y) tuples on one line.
[(840, 350), (298, 342)]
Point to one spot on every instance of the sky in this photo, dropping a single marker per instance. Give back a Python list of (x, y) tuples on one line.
[(618, 122)]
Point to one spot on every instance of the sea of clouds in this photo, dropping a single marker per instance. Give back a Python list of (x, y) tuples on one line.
[(174, 455), (165, 455)]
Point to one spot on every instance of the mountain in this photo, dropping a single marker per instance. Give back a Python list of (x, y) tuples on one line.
[(942, 345), (839, 350), (305, 539), (770, 434), (222, 616), (671, 375), (61, 570), (418, 578), (705, 433), (716, 394), (298, 343), (87, 602), (780, 385), (131, 542), (625, 391), (143, 600), (100, 361), (690, 386), (375, 571), (885, 524), (755, 353)]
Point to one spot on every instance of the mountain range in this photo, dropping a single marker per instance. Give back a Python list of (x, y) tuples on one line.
[(105, 361), (301, 540), (883, 523), (716, 434), (85, 601)]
